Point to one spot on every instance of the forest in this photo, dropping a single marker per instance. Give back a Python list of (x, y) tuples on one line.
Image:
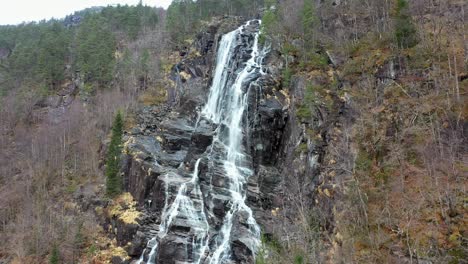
[(371, 162)]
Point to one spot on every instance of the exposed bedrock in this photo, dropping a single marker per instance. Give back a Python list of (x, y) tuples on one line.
[(177, 166)]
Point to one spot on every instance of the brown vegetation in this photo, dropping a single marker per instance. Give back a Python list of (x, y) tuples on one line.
[(392, 184)]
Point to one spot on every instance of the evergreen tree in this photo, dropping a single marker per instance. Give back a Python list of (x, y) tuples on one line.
[(269, 20), (184, 16), (114, 183), (309, 23), (144, 67), (144, 60), (52, 53), (54, 255), (95, 53), (133, 22), (405, 31)]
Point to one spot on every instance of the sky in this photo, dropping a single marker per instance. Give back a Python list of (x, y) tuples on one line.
[(17, 11)]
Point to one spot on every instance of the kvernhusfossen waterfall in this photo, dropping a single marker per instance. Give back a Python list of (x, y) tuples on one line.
[(208, 210)]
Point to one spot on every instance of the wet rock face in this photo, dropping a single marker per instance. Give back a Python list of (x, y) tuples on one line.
[(267, 122), (166, 147)]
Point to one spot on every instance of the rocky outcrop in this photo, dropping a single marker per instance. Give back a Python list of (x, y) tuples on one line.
[(161, 150), (174, 157)]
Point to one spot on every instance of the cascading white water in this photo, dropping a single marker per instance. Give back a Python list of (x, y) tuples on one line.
[(225, 107), (182, 204), (213, 107)]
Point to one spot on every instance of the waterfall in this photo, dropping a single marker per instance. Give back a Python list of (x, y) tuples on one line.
[(226, 158), (226, 104)]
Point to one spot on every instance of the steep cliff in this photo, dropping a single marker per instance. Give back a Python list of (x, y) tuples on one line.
[(188, 165), (176, 156)]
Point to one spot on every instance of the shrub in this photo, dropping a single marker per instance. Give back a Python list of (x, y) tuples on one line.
[(313, 61), (299, 259), (302, 148), (384, 174), (303, 112), (269, 244), (363, 161), (54, 255)]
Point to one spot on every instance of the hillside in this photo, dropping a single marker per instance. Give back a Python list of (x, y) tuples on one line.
[(61, 82), (288, 131)]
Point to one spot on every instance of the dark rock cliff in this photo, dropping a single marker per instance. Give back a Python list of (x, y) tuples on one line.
[(161, 151)]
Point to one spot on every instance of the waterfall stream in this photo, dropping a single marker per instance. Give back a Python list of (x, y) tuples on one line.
[(225, 158)]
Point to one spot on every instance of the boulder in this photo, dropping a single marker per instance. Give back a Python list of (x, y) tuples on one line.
[(137, 245)]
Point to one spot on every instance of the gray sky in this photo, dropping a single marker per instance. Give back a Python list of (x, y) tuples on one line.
[(17, 11)]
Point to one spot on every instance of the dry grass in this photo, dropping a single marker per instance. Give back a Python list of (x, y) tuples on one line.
[(124, 208), (153, 96)]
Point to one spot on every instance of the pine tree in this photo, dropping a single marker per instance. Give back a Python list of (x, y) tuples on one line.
[(54, 255), (52, 53), (133, 22), (114, 182), (309, 23), (405, 31), (95, 51), (144, 67), (269, 20)]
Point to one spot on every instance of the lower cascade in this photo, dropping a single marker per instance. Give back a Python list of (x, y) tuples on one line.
[(204, 213)]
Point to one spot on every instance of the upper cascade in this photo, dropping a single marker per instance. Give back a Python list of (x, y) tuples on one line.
[(205, 210)]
